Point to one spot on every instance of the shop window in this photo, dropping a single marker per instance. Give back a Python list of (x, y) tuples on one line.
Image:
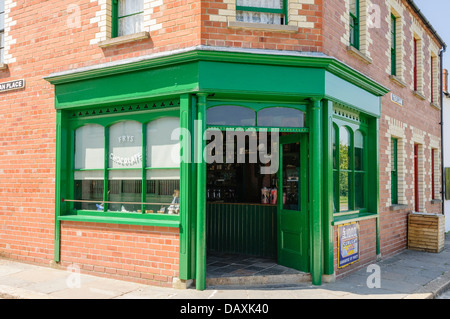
[(360, 170), (89, 164), (163, 160), (2, 30), (349, 169), (128, 17), (142, 173), (344, 168), (281, 117), (354, 23), (257, 11), (231, 115)]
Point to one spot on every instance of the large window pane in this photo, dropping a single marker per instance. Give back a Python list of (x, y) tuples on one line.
[(89, 147), (125, 145), (125, 187), (163, 191), (359, 151), (359, 191), (162, 150), (89, 187), (344, 191), (344, 148), (281, 117), (231, 115)]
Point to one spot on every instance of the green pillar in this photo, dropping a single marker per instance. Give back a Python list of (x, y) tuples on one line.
[(187, 257), (58, 190), (316, 168), (328, 253), (201, 194)]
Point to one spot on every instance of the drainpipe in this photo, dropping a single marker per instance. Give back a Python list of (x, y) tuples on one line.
[(441, 55)]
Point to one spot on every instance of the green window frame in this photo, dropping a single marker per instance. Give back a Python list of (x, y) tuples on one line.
[(259, 9), (145, 211), (394, 171), (117, 17), (393, 45), (350, 180), (354, 24)]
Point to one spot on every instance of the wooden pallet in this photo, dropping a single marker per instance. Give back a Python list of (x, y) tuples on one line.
[(426, 232)]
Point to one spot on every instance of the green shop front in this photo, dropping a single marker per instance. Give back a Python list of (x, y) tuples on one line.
[(244, 153)]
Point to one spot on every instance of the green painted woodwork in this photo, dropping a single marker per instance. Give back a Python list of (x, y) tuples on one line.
[(328, 239), (293, 225), (127, 220), (187, 189), (315, 187), (346, 93), (298, 77), (242, 229), (200, 274), (114, 18)]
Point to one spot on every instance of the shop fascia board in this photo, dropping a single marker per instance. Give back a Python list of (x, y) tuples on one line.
[(115, 83)]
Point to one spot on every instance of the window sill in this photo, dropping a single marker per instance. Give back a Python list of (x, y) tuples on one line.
[(262, 26), (436, 201), (419, 95), (124, 39), (3, 66), (397, 81), (172, 221), (397, 207), (363, 57), (352, 217), (435, 106)]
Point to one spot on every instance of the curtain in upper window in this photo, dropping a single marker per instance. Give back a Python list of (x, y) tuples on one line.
[(260, 11), (130, 16)]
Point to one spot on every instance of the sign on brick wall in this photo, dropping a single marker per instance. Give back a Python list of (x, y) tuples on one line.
[(348, 244), (12, 85)]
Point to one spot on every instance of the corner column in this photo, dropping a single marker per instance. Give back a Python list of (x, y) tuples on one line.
[(201, 194), (316, 177)]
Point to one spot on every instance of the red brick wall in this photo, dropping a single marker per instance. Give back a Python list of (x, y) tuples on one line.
[(142, 254), (216, 33)]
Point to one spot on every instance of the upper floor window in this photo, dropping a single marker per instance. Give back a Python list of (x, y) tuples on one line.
[(354, 23), (262, 11), (393, 45), (128, 17), (2, 30)]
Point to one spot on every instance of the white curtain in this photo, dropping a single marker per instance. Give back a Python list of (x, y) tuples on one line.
[(89, 147), (260, 17), (125, 145), (134, 23)]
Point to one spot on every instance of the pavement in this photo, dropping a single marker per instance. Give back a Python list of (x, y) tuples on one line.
[(408, 275)]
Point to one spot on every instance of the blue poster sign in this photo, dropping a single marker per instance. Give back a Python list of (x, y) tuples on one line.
[(348, 244)]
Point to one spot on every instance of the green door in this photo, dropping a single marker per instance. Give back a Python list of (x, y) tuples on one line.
[(292, 215)]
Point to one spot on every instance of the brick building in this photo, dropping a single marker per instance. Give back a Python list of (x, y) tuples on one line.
[(348, 92)]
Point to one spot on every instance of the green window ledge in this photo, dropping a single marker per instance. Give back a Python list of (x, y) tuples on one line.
[(352, 217), (167, 221)]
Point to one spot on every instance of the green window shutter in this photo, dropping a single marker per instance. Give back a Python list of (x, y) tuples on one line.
[(394, 171), (394, 45)]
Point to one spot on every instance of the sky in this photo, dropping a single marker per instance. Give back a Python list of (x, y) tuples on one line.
[(437, 13)]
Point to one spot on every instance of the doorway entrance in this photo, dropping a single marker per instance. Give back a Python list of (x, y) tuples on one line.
[(257, 217)]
